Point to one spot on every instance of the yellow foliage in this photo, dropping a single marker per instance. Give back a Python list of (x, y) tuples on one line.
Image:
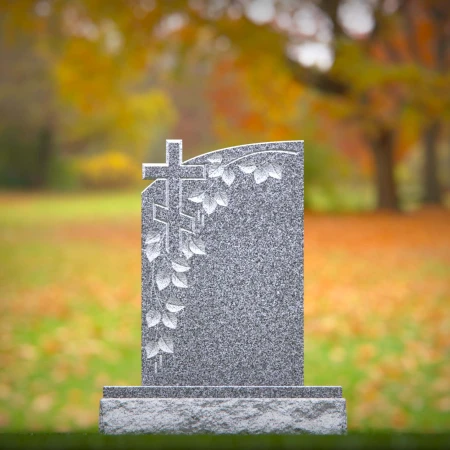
[(103, 98), (83, 68), (112, 169), (409, 131), (136, 120)]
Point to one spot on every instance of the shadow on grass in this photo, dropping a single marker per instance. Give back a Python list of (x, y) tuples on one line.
[(387, 440)]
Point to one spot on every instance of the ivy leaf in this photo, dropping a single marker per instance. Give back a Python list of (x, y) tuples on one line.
[(165, 343), (196, 196), (153, 236), (197, 246), (186, 250), (228, 176), (215, 159), (215, 171), (274, 170), (169, 320), (180, 264), (153, 317), (221, 198), (162, 279), (247, 168), (260, 175), (152, 349), (174, 305), (179, 280), (209, 204), (152, 251)]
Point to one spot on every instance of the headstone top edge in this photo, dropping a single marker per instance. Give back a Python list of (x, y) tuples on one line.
[(292, 146), (296, 147)]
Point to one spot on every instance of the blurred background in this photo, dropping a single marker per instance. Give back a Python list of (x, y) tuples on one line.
[(90, 90)]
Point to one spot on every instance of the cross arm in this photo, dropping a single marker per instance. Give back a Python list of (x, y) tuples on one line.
[(153, 171)]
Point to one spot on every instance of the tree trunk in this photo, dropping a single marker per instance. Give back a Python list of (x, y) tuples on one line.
[(432, 189), (45, 155), (383, 151)]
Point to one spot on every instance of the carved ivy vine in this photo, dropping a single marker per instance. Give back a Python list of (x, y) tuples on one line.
[(168, 270)]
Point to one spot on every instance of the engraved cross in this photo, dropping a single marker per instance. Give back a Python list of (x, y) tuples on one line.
[(174, 172)]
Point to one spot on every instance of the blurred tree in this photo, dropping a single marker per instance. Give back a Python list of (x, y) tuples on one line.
[(351, 51), (27, 110), (428, 31), (369, 74), (414, 42), (389, 83), (195, 112), (63, 83), (256, 97)]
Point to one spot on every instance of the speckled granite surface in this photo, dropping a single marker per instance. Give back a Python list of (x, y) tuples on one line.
[(222, 300), (236, 237), (222, 391), (228, 415)]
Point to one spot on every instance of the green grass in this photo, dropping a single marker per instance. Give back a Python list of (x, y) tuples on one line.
[(56, 208), (351, 441)]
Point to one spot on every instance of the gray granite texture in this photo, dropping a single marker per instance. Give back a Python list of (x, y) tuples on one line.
[(222, 391), (223, 416), (222, 300), (222, 268)]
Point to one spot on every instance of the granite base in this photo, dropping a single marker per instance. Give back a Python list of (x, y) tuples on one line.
[(223, 415)]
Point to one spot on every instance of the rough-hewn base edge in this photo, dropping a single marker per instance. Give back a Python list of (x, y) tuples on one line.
[(223, 415)]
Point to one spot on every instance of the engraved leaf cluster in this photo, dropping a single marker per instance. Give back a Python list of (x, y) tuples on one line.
[(214, 196), (167, 270), (263, 172), (164, 343), (171, 269)]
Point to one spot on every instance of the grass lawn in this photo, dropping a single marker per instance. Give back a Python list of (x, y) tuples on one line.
[(377, 297), (351, 441)]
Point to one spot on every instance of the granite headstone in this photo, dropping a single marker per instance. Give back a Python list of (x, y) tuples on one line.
[(222, 300)]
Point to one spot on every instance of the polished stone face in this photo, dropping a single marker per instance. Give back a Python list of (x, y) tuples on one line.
[(222, 268)]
